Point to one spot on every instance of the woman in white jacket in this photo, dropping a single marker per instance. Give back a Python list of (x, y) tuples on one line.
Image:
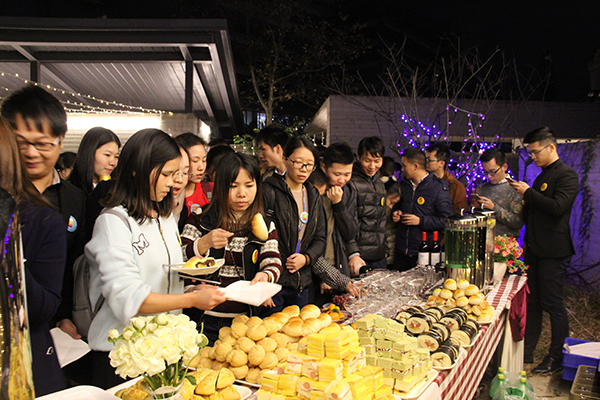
[(132, 242)]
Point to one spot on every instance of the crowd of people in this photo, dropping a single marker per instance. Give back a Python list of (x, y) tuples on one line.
[(156, 201)]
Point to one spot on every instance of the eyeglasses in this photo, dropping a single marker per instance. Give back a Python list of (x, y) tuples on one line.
[(430, 160), (492, 173), (301, 165), (39, 146), (536, 152)]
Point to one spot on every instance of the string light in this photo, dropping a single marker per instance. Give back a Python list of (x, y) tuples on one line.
[(127, 107)]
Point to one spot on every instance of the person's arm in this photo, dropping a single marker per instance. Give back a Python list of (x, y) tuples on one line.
[(566, 188), (270, 258), (204, 297), (512, 214), (44, 246), (330, 275), (343, 214), (442, 209)]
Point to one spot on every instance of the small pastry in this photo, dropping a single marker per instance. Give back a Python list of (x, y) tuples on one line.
[(236, 358), (239, 372), (325, 320), (268, 344), (462, 301), (282, 354), (291, 311), (205, 362), (310, 311), (224, 332), (281, 339), (226, 378), (446, 294), (257, 333), (436, 292), (221, 351), (271, 326), (240, 318), (217, 365), (207, 385), (462, 284), (238, 329), (229, 340), (245, 344), (229, 393), (269, 362), (471, 290), (254, 375), (475, 300), (450, 284), (458, 293), (254, 321), (256, 355), (205, 352)]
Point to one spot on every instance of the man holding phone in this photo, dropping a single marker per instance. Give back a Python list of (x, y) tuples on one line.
[(548, 244), (497, 194)]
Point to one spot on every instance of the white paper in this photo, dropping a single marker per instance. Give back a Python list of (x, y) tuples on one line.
[(590, 349), (67, 348), (254, 295)]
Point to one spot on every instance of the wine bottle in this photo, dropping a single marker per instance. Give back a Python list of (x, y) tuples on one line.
[(423, 259), (434, 253)]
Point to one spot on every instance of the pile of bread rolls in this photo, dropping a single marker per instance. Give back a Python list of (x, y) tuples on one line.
[(253, 344), (464, 295)]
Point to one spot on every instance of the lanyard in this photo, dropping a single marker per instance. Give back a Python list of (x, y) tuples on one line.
[(303, 219)]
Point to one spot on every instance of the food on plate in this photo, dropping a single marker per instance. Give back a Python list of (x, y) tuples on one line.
[(200, 262), (462, 284), (239, 372), (259, 227), (450, 284), (471, 290), (236, 358), (310, 311), (446, 294)]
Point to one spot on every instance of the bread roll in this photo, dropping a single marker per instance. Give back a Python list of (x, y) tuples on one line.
[(257, 333), (291, 311), (471, 290), (238, 329), (222, 350), (294, 328), (245, 344), (325, 320), (312, 325), (462, 284), (310, 311), (259, 227), (281, 317), (253, 321), (239, 372), (271, 326), (450, 284), (268, 344), (236, 358), (281, 339), (256, 355), (269, 362), (240, 318), (254, 375)]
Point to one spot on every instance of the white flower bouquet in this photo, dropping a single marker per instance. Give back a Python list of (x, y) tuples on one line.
[(157, 347)]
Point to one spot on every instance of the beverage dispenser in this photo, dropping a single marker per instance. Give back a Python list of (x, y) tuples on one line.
[(461, 246), (478, 274), (490, 242)]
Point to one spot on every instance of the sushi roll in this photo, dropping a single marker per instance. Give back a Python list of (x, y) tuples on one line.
[(452, 342), (462, 284), (429, 340), (419, 323), (437, 311), (414, 309), (443, 357), (465, 335), (435, 317), (402, 316), (460, 312), (474, 324), (452, 321), (450, 284), (441, 329)]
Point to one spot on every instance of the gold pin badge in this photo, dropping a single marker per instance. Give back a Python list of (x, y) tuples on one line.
[(420, 201), (255, 256), (544, 186)]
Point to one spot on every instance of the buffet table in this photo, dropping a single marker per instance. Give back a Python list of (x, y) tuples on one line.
[(461, 382)]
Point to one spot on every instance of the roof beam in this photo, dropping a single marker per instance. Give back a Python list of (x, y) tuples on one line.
[(25, 53)]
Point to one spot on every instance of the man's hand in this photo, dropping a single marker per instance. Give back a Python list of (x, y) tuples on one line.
[(486, 203), (325, 287), (260, 277), (410, 219), (353, 290), (396, 215), (67, 326), (295, 262), (520, 187), (355, 263), (334, 194)]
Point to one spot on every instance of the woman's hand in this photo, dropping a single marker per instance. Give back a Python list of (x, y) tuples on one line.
[(268, 303), (207, 297), (325, 287), (295, 262), (215, 239), (67, 326), (260, 277), (396, 216)]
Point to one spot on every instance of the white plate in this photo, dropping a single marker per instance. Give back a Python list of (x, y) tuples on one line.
[(197, 271), (254, 385), (418, 389), (109, 394), (472, 341), (243, 391), (255, 295), (79, 393)]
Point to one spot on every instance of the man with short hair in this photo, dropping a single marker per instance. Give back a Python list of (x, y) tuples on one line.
[(438, 156), (371, 246), (423, 207), (40, 124), (271, 141), (548, 244), (497, 194)]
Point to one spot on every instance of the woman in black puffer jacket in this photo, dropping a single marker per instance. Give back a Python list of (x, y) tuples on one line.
[(297, 210)]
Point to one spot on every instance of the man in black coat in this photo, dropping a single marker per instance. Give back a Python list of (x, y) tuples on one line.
[(548, 244)]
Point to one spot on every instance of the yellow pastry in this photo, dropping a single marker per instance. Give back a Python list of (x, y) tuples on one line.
[(245, 344), (259, 227), (268, 344), (237, 358), (238, 329), (270, 361), (239, 372), (240, 318), (256, 333), (256, 355), (229, 393), (226, 378), (208, 384)]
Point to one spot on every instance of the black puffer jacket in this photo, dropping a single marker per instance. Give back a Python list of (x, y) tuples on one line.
[(281, 208), (371, 240)]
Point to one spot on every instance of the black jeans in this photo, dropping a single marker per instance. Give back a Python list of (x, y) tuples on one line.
[(546, 280), (403, 262), (212, 326)]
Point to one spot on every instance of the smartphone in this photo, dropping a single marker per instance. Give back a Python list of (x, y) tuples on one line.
[(508, 178), (476, 196)]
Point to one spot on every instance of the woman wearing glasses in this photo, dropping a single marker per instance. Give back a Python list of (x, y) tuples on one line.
[(297, 210)]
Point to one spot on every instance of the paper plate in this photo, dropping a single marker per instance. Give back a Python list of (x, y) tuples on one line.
[(418, 389), (79, 393), (255, 295)]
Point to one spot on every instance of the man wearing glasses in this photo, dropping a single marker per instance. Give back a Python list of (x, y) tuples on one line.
[(548, 244), (497, 194), (438, 156)]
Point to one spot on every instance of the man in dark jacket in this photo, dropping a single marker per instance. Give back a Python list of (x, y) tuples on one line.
[(548, 244), (371, 245), (424, 206)]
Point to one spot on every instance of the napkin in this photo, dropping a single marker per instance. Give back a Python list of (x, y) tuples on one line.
[(67, 348), (254, 295)]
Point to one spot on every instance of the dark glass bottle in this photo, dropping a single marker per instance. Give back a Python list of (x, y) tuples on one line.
[(423, 259)]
